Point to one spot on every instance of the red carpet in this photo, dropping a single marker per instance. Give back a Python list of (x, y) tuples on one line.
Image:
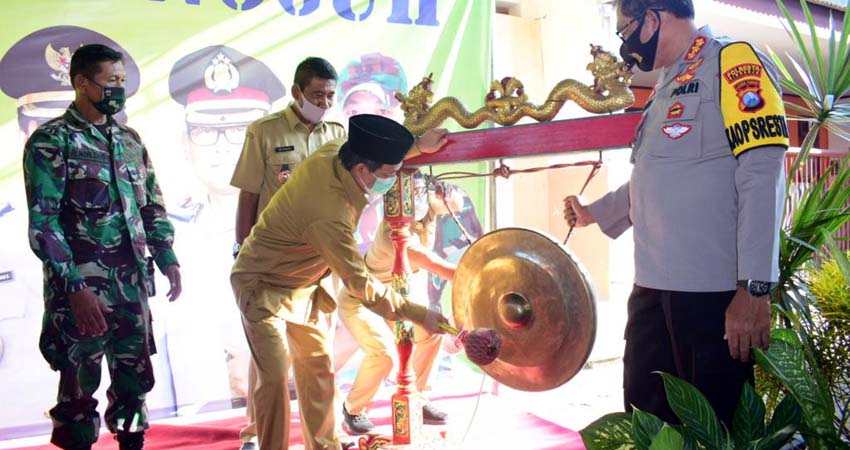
[(496, 426)]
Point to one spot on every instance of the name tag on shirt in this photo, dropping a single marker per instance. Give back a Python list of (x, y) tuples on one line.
[(285, 148)]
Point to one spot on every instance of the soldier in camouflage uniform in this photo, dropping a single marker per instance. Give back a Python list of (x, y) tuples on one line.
[(95, 207)]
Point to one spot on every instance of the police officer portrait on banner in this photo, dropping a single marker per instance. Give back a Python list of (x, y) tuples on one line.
[(96, 210), (223, 91), (705, 201)]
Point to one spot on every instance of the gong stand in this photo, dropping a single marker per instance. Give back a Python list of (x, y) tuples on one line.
[(406, 403)]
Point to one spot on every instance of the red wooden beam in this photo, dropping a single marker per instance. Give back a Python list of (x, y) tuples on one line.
[(583, 134)]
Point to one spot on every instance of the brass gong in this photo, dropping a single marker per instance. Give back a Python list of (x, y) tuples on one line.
[(537, 296)]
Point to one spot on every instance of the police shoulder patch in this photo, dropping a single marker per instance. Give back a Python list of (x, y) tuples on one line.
[(752, 108)]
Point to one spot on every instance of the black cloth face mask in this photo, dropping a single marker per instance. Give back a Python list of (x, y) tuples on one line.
[(112, 99), (635, 52)]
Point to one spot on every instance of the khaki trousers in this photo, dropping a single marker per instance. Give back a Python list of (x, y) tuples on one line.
[(374, 334), (279, 335)]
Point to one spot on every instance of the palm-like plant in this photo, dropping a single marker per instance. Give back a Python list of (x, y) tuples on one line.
[(817, 209), (821, 208)]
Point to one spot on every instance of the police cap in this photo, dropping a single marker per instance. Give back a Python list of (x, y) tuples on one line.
[(219, 85)]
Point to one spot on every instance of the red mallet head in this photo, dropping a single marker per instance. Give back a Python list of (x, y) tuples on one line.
[(482, 345)]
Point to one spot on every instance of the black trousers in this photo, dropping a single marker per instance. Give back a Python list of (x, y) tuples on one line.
[(680, 333)]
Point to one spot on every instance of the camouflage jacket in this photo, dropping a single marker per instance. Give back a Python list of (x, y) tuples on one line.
[(93, 210)]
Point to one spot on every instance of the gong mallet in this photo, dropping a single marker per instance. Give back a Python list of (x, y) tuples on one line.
[(482, 345)]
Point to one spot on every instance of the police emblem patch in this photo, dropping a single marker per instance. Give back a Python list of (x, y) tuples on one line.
[(285, 172), (749, 95), (676, 110), (751, 105), (676, 130)]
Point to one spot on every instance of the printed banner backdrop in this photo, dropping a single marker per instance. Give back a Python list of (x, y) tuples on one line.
[(184, 58)]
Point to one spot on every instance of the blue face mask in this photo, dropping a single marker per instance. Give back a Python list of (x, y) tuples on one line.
[(382, 186)]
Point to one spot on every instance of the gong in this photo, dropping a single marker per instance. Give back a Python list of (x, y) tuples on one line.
[(537, 296)]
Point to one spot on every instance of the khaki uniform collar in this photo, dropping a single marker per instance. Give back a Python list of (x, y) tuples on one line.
[(352, 190)]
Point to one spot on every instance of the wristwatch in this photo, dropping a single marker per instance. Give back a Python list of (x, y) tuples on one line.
[(236, 247), (754, 287)]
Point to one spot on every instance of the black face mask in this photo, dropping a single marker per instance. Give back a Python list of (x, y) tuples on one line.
[(112, 99), (635, 52)]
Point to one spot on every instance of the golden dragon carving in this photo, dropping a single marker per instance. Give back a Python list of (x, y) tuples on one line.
[(507, 103)]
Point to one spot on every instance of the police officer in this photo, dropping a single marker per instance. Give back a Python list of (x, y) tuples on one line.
[(705, 199), (305, 232), (223, 91), (35, 73), (95, 208)]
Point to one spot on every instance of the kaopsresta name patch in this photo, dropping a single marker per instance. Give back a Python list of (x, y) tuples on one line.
[(753, 113)]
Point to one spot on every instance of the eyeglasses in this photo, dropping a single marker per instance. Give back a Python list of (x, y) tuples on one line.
[(639, 19), (206, 136)]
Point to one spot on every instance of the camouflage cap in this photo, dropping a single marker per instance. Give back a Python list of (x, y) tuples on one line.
[(220, 85), (35, 70)]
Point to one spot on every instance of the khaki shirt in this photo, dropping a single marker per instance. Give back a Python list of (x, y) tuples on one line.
[(272, 141), (706, 206), (307, 230)]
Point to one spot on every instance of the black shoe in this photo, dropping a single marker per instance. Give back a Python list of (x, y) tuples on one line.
[(131, 441), (249, 446), (433, 416), (359, 424)]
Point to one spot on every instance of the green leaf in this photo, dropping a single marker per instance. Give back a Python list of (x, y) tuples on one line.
[(784, 423), (609, 432), (786, 335), (788, 364), (644, 428), (668, 439), (693, 409), (786, 414), (748, 423)]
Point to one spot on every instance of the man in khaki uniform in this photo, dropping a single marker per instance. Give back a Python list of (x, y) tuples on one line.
[(274, 146), (372, 332), (305, 232)]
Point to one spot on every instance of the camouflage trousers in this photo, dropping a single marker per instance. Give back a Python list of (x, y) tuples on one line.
[(128, 346)]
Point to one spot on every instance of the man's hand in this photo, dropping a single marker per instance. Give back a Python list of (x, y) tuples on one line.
[(88, 311), (575, 213), (432, 140), (747, 324), (432, 322), (173, 274)]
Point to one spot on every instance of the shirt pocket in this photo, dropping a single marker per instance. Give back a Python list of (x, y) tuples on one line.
[(138, 174), (678, 135), (282, 161), (87, 186)]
